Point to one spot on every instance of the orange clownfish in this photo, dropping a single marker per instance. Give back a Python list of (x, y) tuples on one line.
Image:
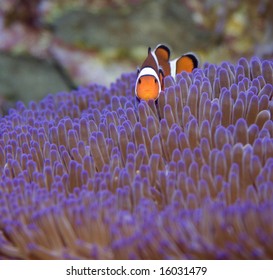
[(157, 65)]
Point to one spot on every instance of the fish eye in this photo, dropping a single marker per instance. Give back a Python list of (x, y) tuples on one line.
[(139, 81)]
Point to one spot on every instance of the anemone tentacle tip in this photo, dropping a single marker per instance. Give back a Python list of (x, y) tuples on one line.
[(96, 174)]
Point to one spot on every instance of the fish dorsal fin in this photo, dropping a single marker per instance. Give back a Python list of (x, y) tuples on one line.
[(162, 53), (186, 63)]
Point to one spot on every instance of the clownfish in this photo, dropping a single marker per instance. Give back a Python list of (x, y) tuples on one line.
[(157, 65)]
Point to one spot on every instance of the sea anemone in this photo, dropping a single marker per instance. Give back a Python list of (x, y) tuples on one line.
[(95, 174)]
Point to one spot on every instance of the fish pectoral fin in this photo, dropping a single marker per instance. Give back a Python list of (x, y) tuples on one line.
[(161, 78)]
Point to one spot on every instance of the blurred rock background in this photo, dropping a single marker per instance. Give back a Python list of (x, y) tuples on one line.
[(48, 46)]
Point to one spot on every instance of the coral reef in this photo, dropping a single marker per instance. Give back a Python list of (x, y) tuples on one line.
[(240, 28), (93, 174)]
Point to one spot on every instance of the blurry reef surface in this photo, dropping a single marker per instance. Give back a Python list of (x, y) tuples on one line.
[(33, 75), (143, 25), (47, 46)]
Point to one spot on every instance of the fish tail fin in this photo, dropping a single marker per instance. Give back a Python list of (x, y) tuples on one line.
[(186, 62)]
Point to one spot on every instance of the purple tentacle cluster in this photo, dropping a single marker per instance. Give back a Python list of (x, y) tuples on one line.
[(93, 174)]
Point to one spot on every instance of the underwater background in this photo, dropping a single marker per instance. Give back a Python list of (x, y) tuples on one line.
[(89, 172), (67, 43)]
